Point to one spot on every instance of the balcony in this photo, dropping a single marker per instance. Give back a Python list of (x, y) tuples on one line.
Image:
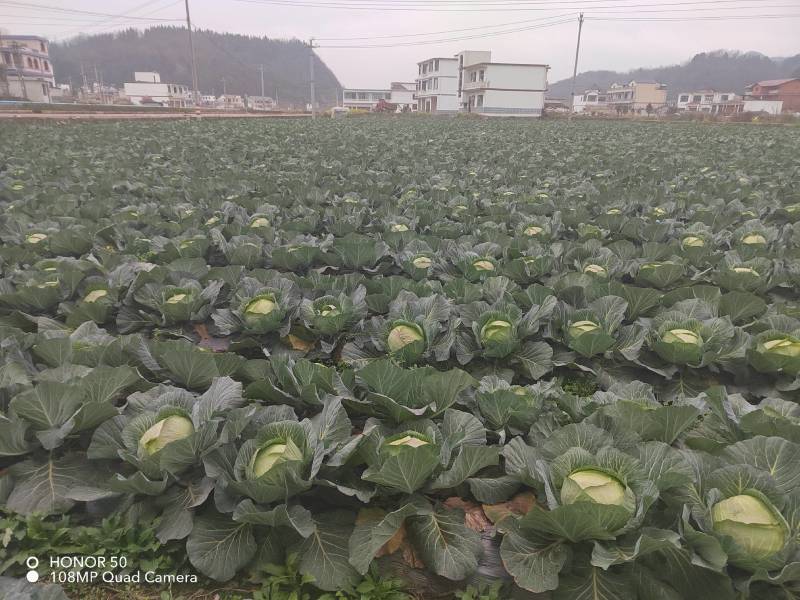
[(475, 85)]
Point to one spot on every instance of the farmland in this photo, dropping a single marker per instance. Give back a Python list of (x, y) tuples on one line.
[(326, 355)]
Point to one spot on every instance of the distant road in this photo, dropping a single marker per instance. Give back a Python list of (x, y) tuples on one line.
[(121, 116)]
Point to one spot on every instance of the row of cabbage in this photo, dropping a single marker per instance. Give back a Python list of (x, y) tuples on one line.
[(357, 366)]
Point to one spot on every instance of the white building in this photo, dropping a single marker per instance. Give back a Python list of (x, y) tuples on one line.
[(709, 101), (148, 88), (471, 82), (230, 102), (260, 103), (503, 89), (25, 68), (437, 85), (365, 99), (466, 58), (403, 94), (590, 101)]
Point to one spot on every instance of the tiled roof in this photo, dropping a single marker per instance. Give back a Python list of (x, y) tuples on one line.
[(774, 82)]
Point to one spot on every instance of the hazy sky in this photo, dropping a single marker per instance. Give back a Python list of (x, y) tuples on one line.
[(617, 45)]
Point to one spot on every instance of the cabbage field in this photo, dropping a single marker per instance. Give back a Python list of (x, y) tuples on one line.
[(403, 358)]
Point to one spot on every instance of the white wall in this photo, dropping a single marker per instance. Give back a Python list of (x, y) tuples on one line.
[(773, 107), (472, 57), (511, 102), (33, 89), (402, 97), (447, 104), (159, 92), (517, 77), (147, 76)]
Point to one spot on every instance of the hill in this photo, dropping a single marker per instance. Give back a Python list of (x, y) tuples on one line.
[(720, 70), (236, 58)]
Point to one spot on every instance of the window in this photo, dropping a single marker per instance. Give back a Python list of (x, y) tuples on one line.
[(684, 98), (362, 96), (436, 83), (42, 47), (708, 98), (591, 98), (473, 76), (480, 100), (44, 89), (436, 65), (696, 98), (724, 97), (46, 66), (481, 74)]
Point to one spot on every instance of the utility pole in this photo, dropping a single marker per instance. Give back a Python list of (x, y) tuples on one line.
[(311, 73), (195, 95), (224, 87), (4, 90), (575, 70), (261, 70), (85, 88), (97, 88)]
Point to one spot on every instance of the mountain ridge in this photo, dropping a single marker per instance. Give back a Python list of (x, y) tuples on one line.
[(165, 49), (723, 70)]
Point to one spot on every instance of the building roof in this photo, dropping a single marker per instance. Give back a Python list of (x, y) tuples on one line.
[(504, 64), (38, 38), (775, 82), (436, 58)]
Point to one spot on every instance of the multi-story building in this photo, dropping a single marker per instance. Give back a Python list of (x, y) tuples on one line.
[(636, 96), (147, 88), (25, 68), (504, 89), (365, 99), (437, 85), (786, 91), (709, 101), (471, 82), (590, 101), (465, 59)]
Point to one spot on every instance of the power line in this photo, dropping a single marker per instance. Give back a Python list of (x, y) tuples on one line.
[(455, 3), (28, 5), (61, 24), (525, 21), (697, 18), (538, 5), (404, 35), (120, 20), (457, 39)]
